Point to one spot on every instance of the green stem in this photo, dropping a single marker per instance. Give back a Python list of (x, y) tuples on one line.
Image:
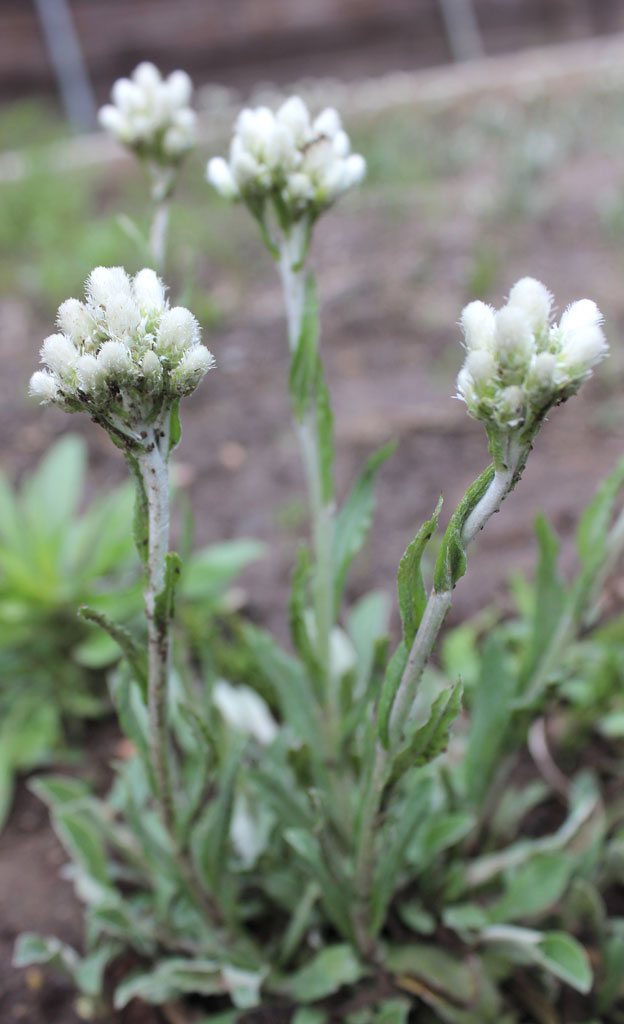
[(154, 470), (440, 601), (322, 514)]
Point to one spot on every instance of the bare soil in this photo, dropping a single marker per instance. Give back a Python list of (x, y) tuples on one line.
[(392, 284)]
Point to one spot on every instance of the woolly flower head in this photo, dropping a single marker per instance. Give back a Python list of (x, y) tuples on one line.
[(151, 114), (123, 355), (302, 164), (519, 363)]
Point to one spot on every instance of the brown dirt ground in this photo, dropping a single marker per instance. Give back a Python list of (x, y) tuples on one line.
[(391, 288)]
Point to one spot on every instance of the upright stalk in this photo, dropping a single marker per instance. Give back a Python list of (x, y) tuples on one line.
[(440, 600), (158, 234), (321, 513), (155, 477), (426, 635)]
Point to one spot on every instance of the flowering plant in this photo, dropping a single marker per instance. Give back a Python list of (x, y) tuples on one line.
[(292, 834)]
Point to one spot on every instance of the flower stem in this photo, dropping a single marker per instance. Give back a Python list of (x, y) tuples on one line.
[(321, 512), (158, 234), (439, 601), (153, 466)]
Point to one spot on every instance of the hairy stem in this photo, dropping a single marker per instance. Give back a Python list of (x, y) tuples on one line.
[(321, 513), (155, 476), (440, 601), (153, 466), (426, 635), (158, 234)]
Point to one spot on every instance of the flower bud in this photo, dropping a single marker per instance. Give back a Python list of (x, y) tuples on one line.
[(510, 406), (105, 283), (89, 373), (114, 362), (514, 338), (178, 330), (59, 354), (149, 291), (43, 387), (193, 366), (220, 177), (75, 320), (478, 324), (534, 299)]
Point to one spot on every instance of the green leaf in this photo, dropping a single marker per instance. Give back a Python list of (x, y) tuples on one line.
[(611, 986), (595, 521), (355, 517), (209, 571), (391, 683), (433, 965), (394, 840), (306, 1015), (533, 888), (564, 957), (51, 495), (164, 603), (439, 832), (297, 611), (38, 949), (550, 602), (430, 739), (175, 427), (393, 1011), (451, 563), (335, 892), (134, 655), (412, 593), (305, 364), (170, 979), (288, 681), (58, 791), (493, 693), (211, 835), (325, 431), (83, 841), (330, 970)]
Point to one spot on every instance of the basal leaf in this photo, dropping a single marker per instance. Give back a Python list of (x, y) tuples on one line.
[(330, 970)]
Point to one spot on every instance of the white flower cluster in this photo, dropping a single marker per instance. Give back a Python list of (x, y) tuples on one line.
[(124, 353), (151, 114), (518, 363), (304, 165)]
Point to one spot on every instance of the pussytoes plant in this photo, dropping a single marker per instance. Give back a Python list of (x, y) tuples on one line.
[(293, 834)]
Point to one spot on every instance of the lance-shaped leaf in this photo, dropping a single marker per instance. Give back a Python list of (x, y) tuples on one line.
[(412, 603), (451, 563), (164, 604), (430, 739), (304, 367), (134, 655), (355, 517), (140, 525)]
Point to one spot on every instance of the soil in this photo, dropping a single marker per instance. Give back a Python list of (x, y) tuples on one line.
[(392, 283)]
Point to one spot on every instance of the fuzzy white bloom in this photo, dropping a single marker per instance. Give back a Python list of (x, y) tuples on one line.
[(114, 361), (106, 283), (518, 364), (90, 373), (151, 114), (43, 386), (289, 158), (123, 355), (74, 319), (245, 711), (534, 299), (478, 324), (178, 330), (514, 339), (219, 175), (148, 291), (59, 354), (191, 369), (122, 315)]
